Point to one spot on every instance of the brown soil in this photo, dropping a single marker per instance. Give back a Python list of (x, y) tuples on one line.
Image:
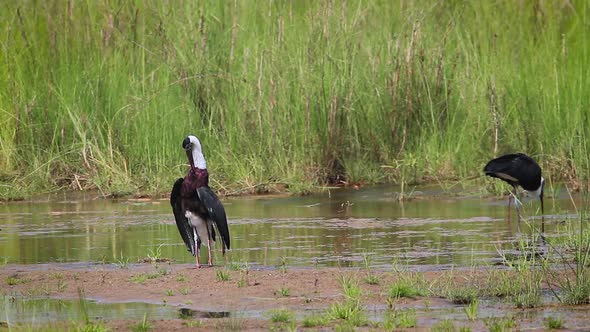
[(256, 290)]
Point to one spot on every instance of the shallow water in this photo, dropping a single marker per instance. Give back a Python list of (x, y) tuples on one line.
[(437, 229)]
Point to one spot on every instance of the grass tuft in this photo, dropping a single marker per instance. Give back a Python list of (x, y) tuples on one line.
[(281, 316), (222, 275)]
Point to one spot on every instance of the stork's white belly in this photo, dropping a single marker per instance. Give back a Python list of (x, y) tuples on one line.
[(199, 224)]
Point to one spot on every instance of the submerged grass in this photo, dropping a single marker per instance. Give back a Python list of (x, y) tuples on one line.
[(100, 95)]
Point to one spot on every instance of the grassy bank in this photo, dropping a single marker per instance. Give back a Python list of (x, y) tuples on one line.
[(99, 94)]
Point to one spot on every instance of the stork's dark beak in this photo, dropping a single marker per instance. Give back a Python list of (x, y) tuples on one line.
[(186, 144)]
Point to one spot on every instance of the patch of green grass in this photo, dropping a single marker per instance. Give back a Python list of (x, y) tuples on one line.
[(569, 276), (185, 291), (230, 324), (282, 264), (554, 323), (345, 327), (164, 271), (155, 255), (399, 319), (284, 292), (92, 327), (142, 326), (122, 262), (315, 320), (281, 316), (139, 278), (372, 279), (239, 266), (61, 285), (531, 299), (41, 290), (503, 283), (463, 295), (222, 275), (445, 325), (193, 323), (350, 311), (404, 287), (152, 275), (350, 288), (12, 280), (471, 309), (170, 292), (181, 277), (499, 324)]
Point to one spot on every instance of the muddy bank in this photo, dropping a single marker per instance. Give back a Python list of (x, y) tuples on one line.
[(245, 300)]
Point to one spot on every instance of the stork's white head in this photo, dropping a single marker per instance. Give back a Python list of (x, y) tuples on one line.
[(192, 146)]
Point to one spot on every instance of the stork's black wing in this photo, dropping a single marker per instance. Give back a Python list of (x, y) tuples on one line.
[(515, 169), (216, 213), (184, 228)]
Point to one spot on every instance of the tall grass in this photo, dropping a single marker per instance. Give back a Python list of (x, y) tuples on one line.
[(98, 94)]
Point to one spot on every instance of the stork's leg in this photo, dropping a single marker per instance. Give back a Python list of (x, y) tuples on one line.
[(198, 251), (517, 203), (509, 203), (209, 232), (209, 251)]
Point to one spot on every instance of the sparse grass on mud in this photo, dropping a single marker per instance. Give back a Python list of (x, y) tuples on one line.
[(287, 95)]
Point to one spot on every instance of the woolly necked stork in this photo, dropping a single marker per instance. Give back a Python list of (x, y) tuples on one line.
[(518, 170), (196, 207)]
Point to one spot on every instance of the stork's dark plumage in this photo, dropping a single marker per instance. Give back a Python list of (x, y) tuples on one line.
[(196, 207), (518, 170)]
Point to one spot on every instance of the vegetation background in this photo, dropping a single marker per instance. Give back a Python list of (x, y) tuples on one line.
[(100, 94)]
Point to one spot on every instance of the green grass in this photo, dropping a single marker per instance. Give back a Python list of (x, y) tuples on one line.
[(100, 95), (142, 326), (372, 279), (405, 287), (284, 292), (15, 280), (222, 275), (445, 325), (281, 316), (569, 276), (315, 320), (471, 309), (553, 323), (463, 295), (499, 324), (395, 320), (349, 311), (139, 278)]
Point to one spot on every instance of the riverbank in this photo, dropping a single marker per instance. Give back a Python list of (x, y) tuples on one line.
[(291, 297)]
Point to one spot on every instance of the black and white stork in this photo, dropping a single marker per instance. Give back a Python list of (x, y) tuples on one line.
[(196, 207), (518, 170)]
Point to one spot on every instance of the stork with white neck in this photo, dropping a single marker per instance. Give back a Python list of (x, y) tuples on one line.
[(197, 210)]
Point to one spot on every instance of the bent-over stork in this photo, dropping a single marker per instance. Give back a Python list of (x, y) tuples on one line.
[(518, 170), (196, 207)]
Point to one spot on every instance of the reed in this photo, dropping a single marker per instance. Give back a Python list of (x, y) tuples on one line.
[(100, 95)]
